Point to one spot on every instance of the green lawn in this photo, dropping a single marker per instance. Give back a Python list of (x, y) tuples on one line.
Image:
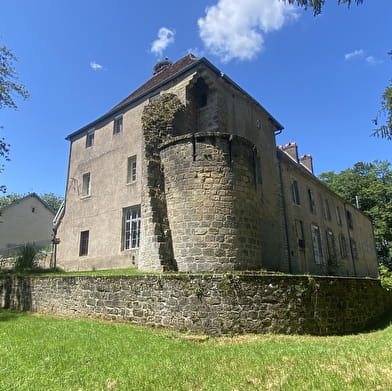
[(44, 353)]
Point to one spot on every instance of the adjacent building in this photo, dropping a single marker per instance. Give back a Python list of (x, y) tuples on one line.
[(184, 174), (26, 220)]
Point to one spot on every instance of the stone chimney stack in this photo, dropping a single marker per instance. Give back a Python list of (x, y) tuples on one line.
[(307, 162), (292, 150)]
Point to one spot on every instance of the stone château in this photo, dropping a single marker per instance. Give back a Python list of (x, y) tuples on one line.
[(185, 175)]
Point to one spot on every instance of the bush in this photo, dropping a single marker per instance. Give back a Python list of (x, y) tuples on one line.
[(386, 278), (27, 258)]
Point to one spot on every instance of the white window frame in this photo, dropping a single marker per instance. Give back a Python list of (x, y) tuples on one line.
[(86, 184), (131, 227), (132, 169)]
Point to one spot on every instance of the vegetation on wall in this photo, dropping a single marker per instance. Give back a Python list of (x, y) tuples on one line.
[(369, 184)]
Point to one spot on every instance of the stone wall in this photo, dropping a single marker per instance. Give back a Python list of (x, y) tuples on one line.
[(213, 202), (212, 304)]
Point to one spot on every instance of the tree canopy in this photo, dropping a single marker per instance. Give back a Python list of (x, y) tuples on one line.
[(371, 185), (53, 200), (317, 5), (9, 88)]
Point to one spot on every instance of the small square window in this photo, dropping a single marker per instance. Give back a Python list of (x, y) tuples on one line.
[(131, 170), (83, 246), (118, 125), (90, 139), (86, 184)]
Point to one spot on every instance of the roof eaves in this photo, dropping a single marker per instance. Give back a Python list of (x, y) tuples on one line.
[(120, 107)]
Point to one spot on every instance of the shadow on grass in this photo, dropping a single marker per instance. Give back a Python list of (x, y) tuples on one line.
[(8, 315), (380, 323)]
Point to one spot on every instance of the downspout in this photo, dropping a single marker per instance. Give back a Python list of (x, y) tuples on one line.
[(283, 200), (349, 239)]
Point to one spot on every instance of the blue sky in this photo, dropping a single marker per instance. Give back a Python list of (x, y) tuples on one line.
[(321, 77)]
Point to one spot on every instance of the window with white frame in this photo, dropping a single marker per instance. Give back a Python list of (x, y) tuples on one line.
[(316, 241), (86, 185), (131, 227), (131, 170), (118, 125)]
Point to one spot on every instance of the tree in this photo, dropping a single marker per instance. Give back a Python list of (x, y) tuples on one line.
[(386, 109), (318, 4), (9, 87), (371, 185), (53, 200)]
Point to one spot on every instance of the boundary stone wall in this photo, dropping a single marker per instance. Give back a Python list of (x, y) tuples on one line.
[(205, 303)]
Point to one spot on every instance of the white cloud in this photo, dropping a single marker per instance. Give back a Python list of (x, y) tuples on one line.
[(95, 66), (165, 38), (372, 60), (235, 29), (361, 54), (355, 53)]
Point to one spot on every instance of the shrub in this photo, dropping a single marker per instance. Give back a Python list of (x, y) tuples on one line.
[(386, 278), (27, 258)]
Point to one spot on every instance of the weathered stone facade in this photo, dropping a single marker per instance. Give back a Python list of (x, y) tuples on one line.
[(213, 202), (212, 304)]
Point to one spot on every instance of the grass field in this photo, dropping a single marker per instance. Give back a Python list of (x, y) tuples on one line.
[(44, 353)]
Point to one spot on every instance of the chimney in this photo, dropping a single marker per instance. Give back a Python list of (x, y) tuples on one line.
[(292, 150), (307, 162), (161, 65)]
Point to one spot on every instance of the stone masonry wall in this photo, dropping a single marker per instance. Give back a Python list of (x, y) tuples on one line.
[(212, 202), (211, 304)]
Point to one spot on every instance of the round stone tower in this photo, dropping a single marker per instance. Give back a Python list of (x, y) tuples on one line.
[(213, 202)]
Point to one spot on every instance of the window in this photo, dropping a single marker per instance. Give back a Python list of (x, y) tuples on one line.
[(295, 192), (257, 167), (349, 219), (117, 125), (332, 257), (83, 246), (326, 210), (299, 231), (131, 223), (86, 184), (354, 250), (343, 246), (316, 241), (338, 216), (132, 170), (90, 139), (312, 204)]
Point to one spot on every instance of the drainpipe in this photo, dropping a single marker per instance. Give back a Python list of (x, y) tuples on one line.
[(349, 239), (285, 215)]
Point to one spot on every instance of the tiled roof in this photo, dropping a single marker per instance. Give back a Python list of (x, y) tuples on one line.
[(161, 76)]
